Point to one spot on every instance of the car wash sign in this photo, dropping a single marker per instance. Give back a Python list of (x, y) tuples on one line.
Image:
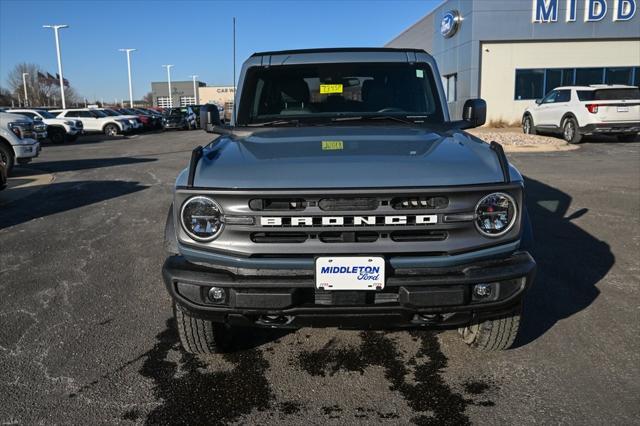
[(594, 10)]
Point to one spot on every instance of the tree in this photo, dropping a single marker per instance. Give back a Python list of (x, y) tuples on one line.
[(148, 99), (5, 97), (42, 88)]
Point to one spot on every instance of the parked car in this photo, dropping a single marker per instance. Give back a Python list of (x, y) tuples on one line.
[(174, 118), (3, 175), (39, 128), (155, 115), (149, 121), (17, 140), (577, 111), (59, 130), (133, 120), (94, 121), (345, 195)]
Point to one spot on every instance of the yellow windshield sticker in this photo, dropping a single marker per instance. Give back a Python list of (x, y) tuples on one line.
[(327, 89), (332, 145)]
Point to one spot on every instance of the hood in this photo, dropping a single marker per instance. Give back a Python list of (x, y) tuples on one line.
[(347, 157)]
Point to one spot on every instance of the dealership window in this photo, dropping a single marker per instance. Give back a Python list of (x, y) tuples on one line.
[(450, 83), (536, 83), (187, 100), (163, 101)]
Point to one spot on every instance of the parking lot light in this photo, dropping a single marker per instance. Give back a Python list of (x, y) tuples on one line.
[(168, 67), (195, 91), (129, 70), (56, 28), (24, 83)]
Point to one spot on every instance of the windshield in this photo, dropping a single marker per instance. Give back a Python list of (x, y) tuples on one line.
[(325, 91), (173, 111), (128, 111), (110, 112), (46, 114), (98, 113)]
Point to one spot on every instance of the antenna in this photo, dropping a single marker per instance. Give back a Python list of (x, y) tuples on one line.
[(234, 71)]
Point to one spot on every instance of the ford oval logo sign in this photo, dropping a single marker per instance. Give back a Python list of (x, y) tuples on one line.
[(450, 23)]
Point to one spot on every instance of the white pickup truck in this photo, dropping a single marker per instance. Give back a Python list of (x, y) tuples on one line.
[(17, 140), (577, 111), (59, 130), (95, 121)]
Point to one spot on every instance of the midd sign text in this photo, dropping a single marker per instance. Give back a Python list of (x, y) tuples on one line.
[(594, 10)]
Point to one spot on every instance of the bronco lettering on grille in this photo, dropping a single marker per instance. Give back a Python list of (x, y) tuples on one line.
[(425, 219)]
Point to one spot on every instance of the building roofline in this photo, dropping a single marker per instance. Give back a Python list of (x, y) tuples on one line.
[(419, 21), (337, 49)]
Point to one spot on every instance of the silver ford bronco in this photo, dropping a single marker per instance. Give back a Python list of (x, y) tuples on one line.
[(341, 194)]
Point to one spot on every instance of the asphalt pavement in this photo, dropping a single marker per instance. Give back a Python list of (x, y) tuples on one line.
[(87, 334)]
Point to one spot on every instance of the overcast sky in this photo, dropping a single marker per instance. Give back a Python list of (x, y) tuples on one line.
[(195, 36)]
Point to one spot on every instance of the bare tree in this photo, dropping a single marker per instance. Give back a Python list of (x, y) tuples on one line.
[(43, 89), (5, 97)]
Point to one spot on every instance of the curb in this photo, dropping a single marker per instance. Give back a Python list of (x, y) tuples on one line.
[(540, 148)]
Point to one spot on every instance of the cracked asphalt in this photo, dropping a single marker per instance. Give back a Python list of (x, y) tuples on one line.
[(87, 334)]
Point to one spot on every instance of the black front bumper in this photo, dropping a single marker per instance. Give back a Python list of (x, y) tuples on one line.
[(435, 297), (617, 128)]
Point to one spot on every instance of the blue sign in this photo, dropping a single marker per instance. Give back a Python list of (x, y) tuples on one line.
[(450, 23), (594, 10)]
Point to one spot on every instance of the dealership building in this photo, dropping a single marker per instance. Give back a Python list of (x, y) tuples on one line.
[(182, 93), (513, 52)]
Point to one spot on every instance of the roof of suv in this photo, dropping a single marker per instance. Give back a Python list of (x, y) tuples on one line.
[(336, 49), (596, 87)]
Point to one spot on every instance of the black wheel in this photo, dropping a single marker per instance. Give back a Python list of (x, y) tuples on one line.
[(57, 136), (629, 137), (570, 131), (493, 335), (527, 125), (7, 157), (111, 130), (200, 336)]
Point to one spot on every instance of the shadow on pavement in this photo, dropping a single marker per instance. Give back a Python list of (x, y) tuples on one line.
[(571, 262), (87, 163), (60, 197)]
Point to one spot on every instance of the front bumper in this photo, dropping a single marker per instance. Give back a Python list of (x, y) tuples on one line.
[(434, 297), (29, 148), (627, 127)]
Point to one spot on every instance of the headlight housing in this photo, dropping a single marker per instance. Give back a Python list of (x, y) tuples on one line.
[(495, 214), (201, 218)]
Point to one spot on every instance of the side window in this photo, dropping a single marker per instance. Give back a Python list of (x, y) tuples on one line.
[(550, 98), (71, 114), (563, 96), (85, 114), (27, 114)]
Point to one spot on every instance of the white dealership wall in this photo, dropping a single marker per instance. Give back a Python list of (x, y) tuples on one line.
[(525, 34), (500, 60), (218, 95)]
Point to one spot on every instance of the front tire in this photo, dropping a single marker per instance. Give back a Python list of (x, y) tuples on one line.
[(495, 334), (570, 131), (57, 136), (111, 130), (630, 137), (199, 336), (6, 155), (528, 127)]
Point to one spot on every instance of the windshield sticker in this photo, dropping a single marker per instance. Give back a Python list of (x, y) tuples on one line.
[(332, 145), (420, 73), (327, 89)]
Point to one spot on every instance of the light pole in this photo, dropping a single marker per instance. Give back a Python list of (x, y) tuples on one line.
[(168, 67), (129, 69), (24, 83), (55, 31), (195, 91)]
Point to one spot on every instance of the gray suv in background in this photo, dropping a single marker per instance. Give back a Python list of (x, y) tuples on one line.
[(342, 194)]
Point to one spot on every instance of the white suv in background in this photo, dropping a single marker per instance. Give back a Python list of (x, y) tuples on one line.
[(59, 130), (96, 121), (576, 111), (133, 120)]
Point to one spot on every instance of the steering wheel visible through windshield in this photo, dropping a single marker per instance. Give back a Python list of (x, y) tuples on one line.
[(322, 92)]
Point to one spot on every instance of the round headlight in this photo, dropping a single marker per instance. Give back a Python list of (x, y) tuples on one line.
[(495, 214), (201, 218)]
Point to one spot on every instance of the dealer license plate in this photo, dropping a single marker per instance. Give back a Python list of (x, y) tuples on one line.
[(350, 273), (623, 109)]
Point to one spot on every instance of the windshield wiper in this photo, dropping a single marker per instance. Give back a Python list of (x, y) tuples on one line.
[(381, 117), (274, 123)]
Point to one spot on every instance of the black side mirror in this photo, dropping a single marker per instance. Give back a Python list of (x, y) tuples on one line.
[(474, 113), (209, 117), (538, 101)]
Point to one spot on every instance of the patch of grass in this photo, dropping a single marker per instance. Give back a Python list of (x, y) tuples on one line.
[(501, 124)]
